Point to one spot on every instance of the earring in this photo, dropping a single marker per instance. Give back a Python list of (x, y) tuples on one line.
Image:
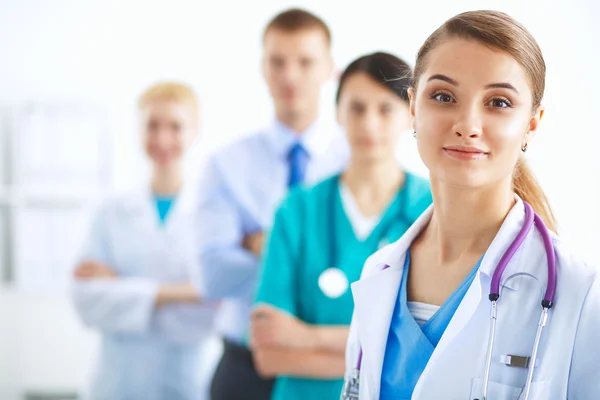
[(524, 148), (414, 134)]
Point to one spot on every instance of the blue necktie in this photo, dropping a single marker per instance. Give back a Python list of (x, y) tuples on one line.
[(298, 159)]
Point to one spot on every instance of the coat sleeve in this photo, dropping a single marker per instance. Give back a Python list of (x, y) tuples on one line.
[(353, 346), (584, 378), (227, 269), (122, 304)]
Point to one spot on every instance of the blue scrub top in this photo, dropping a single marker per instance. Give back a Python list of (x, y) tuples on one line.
[(311, 233), (409, 346)]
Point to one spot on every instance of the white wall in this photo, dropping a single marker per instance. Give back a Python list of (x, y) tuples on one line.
[(107, 51), (42, 346)]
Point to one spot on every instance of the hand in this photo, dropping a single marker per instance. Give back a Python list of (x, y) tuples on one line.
[(254, 243), (271, 327), (94, 270), (263, 363)]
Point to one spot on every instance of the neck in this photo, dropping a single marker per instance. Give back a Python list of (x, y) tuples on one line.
[(166, 181), (298, 121), (373, 184), (465, 222)]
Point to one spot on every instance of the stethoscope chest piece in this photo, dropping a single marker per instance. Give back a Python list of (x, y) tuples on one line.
[(351, 387), (333, 282)]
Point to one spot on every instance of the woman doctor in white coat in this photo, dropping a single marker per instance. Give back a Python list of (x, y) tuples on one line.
[(132, 284), (422, 314)]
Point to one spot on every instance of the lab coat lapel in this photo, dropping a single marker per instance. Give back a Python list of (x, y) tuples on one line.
[(168, 244), (133, 231), (140, 207), (461, 318), (479, 289), (184, 208), (137, 208), (179, 235), (375, 298)]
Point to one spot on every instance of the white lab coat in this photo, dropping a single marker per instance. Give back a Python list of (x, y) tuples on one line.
[(146, 353), (569, 354)]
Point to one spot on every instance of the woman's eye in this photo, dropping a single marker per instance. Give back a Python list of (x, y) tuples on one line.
[(443, 98), (500, 103)]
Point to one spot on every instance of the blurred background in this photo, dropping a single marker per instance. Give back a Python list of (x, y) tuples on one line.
[(70, 75)]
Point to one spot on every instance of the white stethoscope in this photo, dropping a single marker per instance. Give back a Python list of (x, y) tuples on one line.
[(352, 385)]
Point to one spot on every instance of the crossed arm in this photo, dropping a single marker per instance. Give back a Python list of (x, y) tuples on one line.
[(284, 345), (165, 294), (113, 303)]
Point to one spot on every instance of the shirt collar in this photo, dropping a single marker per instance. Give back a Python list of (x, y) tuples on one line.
[(315, 139)]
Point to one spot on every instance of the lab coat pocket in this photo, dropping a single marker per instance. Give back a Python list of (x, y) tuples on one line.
[(500, 391)]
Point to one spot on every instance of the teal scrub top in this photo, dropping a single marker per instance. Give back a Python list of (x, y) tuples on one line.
[(310, 233)]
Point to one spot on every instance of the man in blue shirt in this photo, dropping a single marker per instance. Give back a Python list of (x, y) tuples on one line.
[(245, 182)]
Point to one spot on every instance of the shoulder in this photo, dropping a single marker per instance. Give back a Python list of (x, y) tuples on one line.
[(574, 273), (303, 203), (321, 189), (121, 203), (309, 195), (578, 303), (240, 148), (245, 160), (574, 276)]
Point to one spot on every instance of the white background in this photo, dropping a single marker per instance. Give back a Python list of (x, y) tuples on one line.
[(107, 52)]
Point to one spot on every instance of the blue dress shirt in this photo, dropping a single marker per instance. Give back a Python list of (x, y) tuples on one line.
[(242, 186)]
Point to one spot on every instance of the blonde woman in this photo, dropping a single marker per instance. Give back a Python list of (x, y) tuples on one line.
[(132, 284)]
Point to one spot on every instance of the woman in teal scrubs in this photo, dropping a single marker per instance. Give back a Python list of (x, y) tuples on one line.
[(322, 236)]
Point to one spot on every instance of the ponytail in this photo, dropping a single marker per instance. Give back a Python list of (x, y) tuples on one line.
[(529, 190)]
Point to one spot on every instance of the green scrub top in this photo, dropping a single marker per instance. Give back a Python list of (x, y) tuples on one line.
[(311, 233)]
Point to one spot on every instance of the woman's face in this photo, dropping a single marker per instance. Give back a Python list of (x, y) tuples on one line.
[(168, 129), (472, 111), (373, 117)]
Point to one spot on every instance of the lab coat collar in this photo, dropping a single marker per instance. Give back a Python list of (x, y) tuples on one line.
[(375, 294), (141, 202), (508, 231), (375, 299), (315, 139)]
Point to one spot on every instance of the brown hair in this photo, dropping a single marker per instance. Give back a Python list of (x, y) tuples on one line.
[(499, 31), (170, 91), (385, 68), (296, 19)]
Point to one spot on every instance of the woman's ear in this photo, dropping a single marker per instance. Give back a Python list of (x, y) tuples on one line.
[(411, 98), (534, 123)]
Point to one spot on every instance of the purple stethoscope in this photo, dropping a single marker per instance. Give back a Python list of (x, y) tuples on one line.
[(352, 385)]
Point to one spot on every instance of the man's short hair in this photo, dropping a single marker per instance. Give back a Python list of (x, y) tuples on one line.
[(296, 19)]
